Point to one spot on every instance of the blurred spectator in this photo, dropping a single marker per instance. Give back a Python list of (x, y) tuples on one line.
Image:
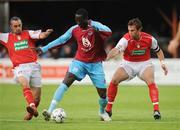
[(3, 52), (54, 53), (174, 43), (67, 51)]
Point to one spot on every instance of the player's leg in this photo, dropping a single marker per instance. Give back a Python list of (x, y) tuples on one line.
[(31, 108), (119, 75), (62, 88), (35, 84), (102, 104), (22, 76), (37, 97), (148, 76), (96, 73), (58, 95), (74, 73)]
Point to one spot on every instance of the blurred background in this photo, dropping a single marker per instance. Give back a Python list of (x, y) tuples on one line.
[(159, 18)]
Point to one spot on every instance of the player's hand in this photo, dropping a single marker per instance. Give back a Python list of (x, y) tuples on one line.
[(164, 68), (49, 31), (37, 50)]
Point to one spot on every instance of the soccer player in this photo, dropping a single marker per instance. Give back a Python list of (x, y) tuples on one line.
[(136, 46), (27, 72), (90, 36)]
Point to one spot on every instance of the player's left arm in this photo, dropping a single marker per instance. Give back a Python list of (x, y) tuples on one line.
[(159, 54), (38, 34), (45, 34), (100, 27), (104, 31)]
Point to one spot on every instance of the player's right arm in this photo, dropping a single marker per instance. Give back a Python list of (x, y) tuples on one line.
[(4, 38), (59, 41), (120, 47)]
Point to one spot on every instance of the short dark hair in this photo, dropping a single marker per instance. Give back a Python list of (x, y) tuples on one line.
[(82, 12), (137, 22), (14, 18)]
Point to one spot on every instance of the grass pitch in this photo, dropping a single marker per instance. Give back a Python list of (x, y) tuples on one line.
[(132, 109)]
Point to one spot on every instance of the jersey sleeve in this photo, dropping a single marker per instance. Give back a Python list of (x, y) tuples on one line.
[(4, 38), (122, 44), (34, 34), (59, 41), (155, 45), (99, 26)]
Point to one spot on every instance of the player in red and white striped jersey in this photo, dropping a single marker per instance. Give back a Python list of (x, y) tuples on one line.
[(136, 46)]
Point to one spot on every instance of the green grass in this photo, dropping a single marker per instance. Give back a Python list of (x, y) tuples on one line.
[(132, 109)]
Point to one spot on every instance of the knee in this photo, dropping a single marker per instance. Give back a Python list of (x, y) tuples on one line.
[(24, 84), (69, 79), (115, 82), (149, 82), (102, 94)]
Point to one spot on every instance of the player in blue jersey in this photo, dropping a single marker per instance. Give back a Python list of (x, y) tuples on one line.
[(90, 37)]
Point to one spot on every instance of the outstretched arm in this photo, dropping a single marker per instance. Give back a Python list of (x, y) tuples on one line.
[(59, 41), (45, 34)]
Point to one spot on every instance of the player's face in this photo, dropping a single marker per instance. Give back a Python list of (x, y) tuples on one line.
[(16, 26), (134, 32), (82, 22)]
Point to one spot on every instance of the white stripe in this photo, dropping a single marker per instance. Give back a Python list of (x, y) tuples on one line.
[(110, 102), (31, 104), (155, 103)]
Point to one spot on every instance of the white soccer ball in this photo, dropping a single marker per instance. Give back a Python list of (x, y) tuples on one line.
[(58, 115)]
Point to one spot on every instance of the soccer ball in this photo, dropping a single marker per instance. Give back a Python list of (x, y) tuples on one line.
[(58, 115)]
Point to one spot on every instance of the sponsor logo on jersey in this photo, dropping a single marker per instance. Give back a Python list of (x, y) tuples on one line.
[(21, 45), (138, 52)]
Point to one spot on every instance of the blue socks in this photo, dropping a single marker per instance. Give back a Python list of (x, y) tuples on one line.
[(102, 103), (58, 95)]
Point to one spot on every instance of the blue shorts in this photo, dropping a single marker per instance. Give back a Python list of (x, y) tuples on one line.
[(94, 70)]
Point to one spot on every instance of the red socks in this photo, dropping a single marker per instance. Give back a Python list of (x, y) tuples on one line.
[(28, 96), (153, 92), (154, 95), (112, 91)]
